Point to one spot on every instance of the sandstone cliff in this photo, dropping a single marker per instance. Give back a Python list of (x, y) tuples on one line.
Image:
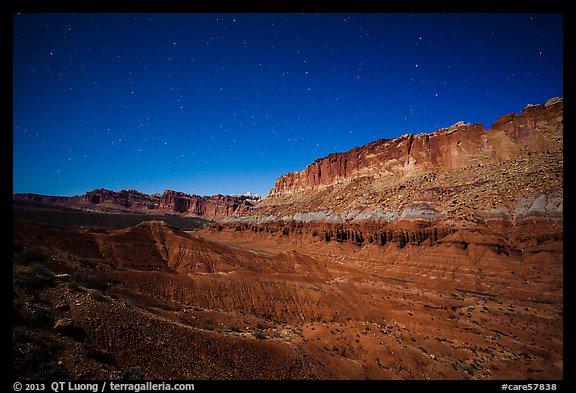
[(537, 128), (132, 201), (423, 187), (205, 206)]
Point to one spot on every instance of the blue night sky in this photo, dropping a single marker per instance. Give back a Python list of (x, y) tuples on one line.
[(226, 103)]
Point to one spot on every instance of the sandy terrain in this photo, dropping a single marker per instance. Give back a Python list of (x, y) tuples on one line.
[(157, 302)]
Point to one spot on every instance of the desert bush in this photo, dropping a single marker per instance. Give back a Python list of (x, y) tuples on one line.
[(234, 328), (97, 296), (25, 256), (18, 334), (259, 334), (17, 305), (88, 281), (98, 355), (37, 360), (38, 268), (32, 279)]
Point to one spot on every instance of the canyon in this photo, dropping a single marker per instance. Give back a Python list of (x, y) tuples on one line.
[(428, 256)]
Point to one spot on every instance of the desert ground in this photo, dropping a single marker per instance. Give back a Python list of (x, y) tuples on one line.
[(156, 302)]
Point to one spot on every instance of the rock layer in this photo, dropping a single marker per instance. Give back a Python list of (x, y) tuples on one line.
[(504, 185), (212, 206), (436, 256), (537, 128), (132, 201)]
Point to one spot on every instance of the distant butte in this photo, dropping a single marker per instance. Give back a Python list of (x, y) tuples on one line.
[(132, 201)]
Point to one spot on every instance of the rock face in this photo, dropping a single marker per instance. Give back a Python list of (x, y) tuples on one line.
[(127, 198), (408, 303), (132, 201), (213, 206), (537, 128), (98, 199), (426, 186), (431, 256)]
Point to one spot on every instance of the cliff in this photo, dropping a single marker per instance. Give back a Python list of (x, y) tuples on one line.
[(417, 188), (204, 206), (132, 201), (537, 128)]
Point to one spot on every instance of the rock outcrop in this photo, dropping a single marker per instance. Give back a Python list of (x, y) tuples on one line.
[(431, 256), (98, 199), (537, 128), (426, 186), (204, 206), (132, 201)]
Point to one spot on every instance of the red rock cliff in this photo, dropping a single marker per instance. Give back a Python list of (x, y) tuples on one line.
[(132, 201), (205, 206), (537, 128)]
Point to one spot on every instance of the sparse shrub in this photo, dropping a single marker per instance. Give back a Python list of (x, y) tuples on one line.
[(74, 286), (25, 256), (37, 360), (133, 373), (259, 334), (31, 358), (18, 334), (37, 268), (16, 308), (234, 328), (67, 327), (97, 296), (89, 281), (100, 356), (41, 317), (32, 279)]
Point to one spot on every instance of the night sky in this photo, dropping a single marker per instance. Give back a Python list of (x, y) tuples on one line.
[(226, 103)]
